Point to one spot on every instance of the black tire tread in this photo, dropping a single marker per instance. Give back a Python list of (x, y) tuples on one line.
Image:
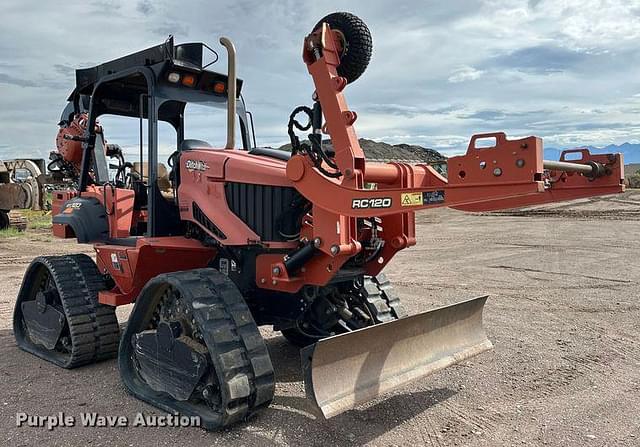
[(360, 44)]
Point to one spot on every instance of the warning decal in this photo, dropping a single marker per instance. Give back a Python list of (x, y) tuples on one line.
[(411, 199)]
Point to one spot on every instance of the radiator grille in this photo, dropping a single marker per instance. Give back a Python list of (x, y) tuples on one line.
[(272, 212), (203, 220)]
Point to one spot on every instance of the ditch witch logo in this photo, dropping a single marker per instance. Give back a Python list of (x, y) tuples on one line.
[(196, 165), (61, 419)]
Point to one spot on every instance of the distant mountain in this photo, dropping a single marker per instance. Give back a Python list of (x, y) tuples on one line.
[(630, 151), (631, 169)]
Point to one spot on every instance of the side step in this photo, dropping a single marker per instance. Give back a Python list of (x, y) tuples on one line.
[(344, 371)]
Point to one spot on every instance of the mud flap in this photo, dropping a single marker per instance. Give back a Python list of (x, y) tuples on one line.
[(344, 371)]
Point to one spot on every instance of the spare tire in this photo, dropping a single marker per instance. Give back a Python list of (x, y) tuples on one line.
[(357, 43)]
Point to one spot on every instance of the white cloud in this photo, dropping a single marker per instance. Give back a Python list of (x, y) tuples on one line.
[(464, 73), (563, 69)]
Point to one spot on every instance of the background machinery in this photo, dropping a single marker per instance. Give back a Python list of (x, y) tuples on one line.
[(248, 236), (21, 187)]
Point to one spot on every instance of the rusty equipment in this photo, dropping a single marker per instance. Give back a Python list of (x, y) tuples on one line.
[(245, 236), (21, 187)]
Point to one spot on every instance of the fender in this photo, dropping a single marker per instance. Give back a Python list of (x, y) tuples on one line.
[(86, 217)]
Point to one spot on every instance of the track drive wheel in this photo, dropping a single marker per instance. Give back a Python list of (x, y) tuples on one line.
[(355, 40), (192, 347), (57, 315), (373, 299)]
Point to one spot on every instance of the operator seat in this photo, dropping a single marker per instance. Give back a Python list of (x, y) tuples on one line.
[(163, 177)]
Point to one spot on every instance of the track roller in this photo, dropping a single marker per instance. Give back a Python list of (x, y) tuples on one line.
[(192, 347), (57, 315)]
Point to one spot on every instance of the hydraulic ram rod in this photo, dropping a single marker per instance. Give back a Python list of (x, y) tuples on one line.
[(590, 170)]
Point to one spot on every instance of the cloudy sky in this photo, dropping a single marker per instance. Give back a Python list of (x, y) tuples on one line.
[(566, 70)]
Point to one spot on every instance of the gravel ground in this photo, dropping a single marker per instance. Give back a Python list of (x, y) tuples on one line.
[(563, 316)]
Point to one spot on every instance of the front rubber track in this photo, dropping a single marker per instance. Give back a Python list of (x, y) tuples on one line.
[(238, 353), (92, 327)]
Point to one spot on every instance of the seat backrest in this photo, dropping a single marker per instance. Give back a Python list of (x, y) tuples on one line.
[(190, 144), (163, 174)]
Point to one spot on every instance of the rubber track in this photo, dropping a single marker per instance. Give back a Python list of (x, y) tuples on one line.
[(229, 329), (383, 302), (91, 326), (238, 352), (380, 299), (107, 334)]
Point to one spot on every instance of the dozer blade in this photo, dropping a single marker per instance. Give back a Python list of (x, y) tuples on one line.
[(346, 370)]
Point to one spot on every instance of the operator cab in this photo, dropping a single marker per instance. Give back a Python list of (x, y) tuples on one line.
[(154, 85)]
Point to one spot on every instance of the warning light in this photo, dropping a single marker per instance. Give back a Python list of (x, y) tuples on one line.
[(219, 87), (188, 80)]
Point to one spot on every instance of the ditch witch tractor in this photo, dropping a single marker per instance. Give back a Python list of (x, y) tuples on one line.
[(255, 236)]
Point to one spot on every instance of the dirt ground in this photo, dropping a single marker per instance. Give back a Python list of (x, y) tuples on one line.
[(563, 316)]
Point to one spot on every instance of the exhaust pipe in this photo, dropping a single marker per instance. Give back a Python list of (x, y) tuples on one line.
[(231, 92)]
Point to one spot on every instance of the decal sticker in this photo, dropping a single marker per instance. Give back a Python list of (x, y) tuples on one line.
[(432, 197), (363, 204), (115, 262), (411, 199), (71, 207), (196, 165)]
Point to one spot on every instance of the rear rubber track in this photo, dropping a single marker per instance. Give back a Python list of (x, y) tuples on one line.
[(92, 327)]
